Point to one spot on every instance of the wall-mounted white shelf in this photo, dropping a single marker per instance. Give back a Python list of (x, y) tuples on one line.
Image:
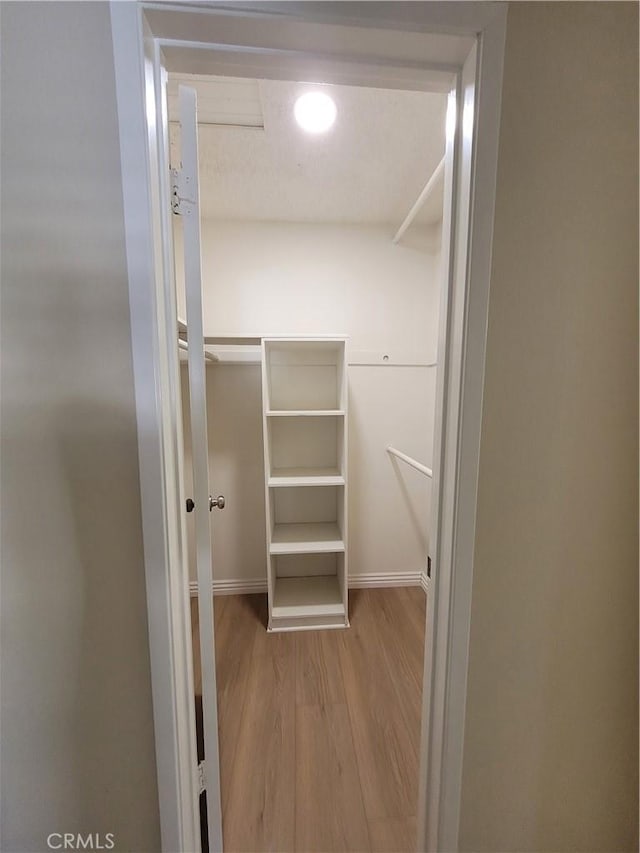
[(314, 537), (304, 390), (233, 340), (224, 349), (231, 348), (234, 353)]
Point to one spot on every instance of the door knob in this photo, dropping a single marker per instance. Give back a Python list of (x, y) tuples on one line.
[(190, 505), (216, 502)]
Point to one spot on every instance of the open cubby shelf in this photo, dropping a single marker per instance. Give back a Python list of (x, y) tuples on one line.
[(310, 596), (301, 476), (305, 430), (305, 413), (312, 537)]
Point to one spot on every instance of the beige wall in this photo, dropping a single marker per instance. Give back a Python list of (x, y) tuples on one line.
[(551, 746), (286, 278), (551, 741), (77, 729), (320, 279)]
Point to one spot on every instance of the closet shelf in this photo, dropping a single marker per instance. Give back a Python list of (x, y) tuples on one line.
[(235, 354), (304, 393), (308, 538), (309, 596), (305, 477), (304, 413)]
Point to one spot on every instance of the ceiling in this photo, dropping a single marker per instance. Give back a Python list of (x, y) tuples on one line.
[(256, 164)]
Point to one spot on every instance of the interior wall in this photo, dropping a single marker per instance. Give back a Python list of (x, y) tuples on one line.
[(308, 279), (77, 724), (263, 278), (551, 743)]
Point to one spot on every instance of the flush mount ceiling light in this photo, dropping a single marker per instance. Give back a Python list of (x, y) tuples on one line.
[(315, 112)]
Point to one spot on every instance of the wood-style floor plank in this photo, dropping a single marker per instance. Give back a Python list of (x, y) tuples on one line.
[(415, 601), (260, 805), (318, 671), (319, 730), (397, 835), (277, 643), (236, 629), (329, 810), (401, 631), (385, 746)]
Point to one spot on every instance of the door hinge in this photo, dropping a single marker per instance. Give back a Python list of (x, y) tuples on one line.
[(202, 779), (182, 204)]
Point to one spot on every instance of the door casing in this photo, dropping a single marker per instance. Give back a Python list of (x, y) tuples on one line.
[(454, 47)]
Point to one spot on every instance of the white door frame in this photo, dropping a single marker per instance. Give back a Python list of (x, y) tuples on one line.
[(452, 45)]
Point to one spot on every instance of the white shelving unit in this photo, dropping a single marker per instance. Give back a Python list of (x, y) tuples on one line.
[(304, 398)]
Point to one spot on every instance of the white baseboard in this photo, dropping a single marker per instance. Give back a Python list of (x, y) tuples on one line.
[(233, 587), (384, 579), (255, 585)]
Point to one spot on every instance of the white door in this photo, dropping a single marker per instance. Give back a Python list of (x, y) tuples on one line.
[(187, 204)]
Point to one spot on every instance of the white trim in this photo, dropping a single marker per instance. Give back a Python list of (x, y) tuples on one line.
[(237, 586), (462, 367), (252, 586), (385, 579), (486, 104), (158, 440), (457, 436), (425, 582)]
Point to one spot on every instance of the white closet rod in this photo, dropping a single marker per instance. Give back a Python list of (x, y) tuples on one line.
[(424, 195), (185, 346), (410, 461)]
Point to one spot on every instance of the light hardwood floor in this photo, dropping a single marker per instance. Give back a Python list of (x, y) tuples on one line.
[(320, 730)]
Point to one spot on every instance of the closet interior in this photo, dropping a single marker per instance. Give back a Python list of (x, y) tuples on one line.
[(321, 281)]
